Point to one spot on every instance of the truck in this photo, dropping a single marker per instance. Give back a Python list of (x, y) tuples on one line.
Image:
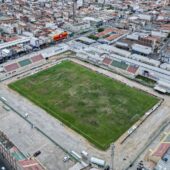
[(97, 161)]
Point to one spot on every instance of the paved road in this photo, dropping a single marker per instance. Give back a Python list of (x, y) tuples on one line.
[(29, 140)]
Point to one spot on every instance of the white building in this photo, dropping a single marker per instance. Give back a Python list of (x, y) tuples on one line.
[(145, 17), (141, 49), (78, 27)]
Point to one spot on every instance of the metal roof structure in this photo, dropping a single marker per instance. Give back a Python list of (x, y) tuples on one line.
[(86, 40), (12, 43), (142, 49)]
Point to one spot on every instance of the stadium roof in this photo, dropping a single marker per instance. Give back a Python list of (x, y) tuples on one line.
[(115, 50), (145, 59)]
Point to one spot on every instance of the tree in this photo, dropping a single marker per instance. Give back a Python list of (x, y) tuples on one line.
[(100, 29), (93, 37)]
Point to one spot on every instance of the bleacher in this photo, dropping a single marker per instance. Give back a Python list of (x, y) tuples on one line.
[(25, 62), (22, 63), (132, 69), (11, 67), (107, 61), (36, 58), (120, 64)]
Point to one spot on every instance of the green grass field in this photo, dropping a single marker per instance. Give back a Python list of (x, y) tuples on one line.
[(99, 108)]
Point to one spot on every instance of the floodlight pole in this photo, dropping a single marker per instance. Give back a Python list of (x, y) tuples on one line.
[(103, 4), (112, 156)]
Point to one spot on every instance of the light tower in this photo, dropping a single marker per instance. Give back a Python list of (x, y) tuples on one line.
[(103, 4), (63, 8), (112, 156)]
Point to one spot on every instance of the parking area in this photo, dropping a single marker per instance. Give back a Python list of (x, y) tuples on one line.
[(29, 140)]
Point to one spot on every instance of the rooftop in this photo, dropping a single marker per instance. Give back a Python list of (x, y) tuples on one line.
[(164, 163)]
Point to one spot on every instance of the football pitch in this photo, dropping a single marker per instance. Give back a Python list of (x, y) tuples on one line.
[(97, 107)]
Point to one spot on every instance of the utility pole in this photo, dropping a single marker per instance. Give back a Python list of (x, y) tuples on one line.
[(63, 8), (74, 10), (103, 4), (112, 156)]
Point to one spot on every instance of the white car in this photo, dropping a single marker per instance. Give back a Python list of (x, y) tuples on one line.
[(66, 158)]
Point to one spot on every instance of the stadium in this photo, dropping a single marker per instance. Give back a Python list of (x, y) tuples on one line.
[(79, 104), (97, 107)]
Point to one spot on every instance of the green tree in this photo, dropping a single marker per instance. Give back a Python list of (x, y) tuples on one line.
[(93, 37), (100, 29)]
